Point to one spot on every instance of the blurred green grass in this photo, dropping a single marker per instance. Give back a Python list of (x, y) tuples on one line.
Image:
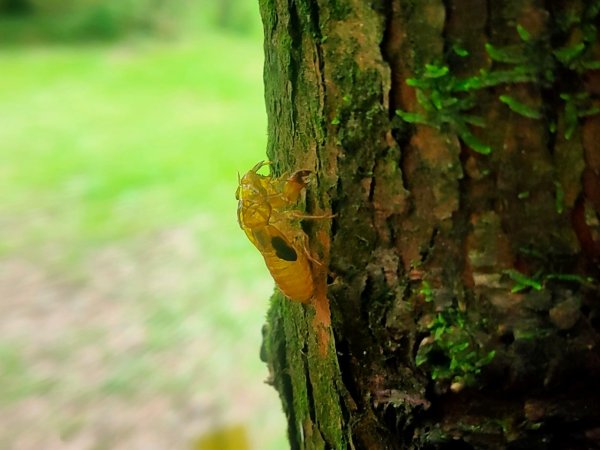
[(129, 138), (106, 153)]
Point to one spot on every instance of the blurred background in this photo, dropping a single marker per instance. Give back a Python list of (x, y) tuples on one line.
[(130, 302)]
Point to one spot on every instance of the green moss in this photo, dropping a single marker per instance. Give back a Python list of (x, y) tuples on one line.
[(538, 281), (446, 100), (435, 71), (303, 373), (572, 278), (534, 60), (523, 33), (577, 56), (567, 55), (531, 58), (444, 105), (453, 353), (426, 291), (295, 334), (531, 61), (487, 79), (520, 108), (413, 117), (522, 281), (577, 105), (508, 55), (324, 374), (459, 50), (533, 334)]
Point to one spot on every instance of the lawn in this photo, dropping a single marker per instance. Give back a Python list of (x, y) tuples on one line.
[(132, 303)]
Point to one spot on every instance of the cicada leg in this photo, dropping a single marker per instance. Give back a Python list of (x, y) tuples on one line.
[(301, 216), (309, 256), (295, 214), (260, 164)]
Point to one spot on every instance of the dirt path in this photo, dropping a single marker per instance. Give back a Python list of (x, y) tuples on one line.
[(146, 347)]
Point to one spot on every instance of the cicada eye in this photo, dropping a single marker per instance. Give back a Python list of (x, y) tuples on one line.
[(237, 193)]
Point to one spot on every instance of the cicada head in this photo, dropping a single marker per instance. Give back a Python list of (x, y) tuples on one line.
[(294, 184)]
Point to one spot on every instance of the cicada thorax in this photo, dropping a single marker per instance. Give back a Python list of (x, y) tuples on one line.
[(254, 208), (253, 213)]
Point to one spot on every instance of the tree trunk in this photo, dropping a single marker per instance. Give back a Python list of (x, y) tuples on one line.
[(457, 142)]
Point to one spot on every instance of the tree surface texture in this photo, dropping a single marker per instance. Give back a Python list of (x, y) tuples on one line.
[(457, 142)]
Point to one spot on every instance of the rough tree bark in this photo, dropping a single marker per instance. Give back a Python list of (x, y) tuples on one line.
[(458, 144)]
